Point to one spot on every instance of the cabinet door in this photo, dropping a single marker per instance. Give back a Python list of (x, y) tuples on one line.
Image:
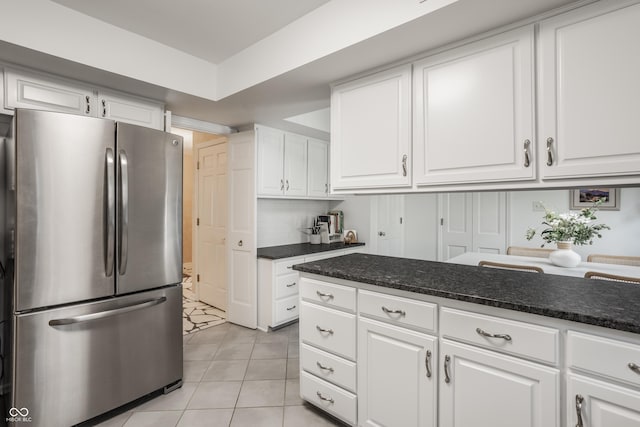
[(295, 165), (473, 116), (31, 90), (590, 92), (371, 131), (482, 388), (270, 161), (600, 404), (396, 376), (318, 168), (130, 109)]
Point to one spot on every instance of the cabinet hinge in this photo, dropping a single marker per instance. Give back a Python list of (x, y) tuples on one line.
[(198, 165), (441, 221), (197, 221), (400, 220), (197, 277)]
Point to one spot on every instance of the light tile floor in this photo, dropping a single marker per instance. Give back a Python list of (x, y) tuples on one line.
[(233, 376)]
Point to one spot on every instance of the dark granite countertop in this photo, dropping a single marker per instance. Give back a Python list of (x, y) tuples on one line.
[(301, 249), (612, 305)]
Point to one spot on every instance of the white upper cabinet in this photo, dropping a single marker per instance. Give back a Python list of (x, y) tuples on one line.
[(26, 89), (473, 112), (371, 131), (317, 168), (270, 161), (589, 95), (32, 90), (132, 110), (295, 165)]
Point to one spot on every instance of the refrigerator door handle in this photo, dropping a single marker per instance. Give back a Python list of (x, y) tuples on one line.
[(107, 313), (109, 251), (124, 212)]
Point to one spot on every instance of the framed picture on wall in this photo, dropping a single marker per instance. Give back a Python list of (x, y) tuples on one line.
[(586, 197)]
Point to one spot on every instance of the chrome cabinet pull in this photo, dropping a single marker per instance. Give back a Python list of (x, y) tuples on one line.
[(447, 361), (287, 185), (635, 368), (488, 335), (282, 184), (527, 159), (291, 284), (326, 399), (104, 108), (549, 152), (324, 368), (326, 188), (322, 330), (404, 165), (291, 308), (402, 313), (88, 100), (427, 363), (323, 295), (579, 400)]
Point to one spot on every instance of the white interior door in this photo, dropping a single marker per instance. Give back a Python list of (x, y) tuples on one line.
[(490, 222), (456, 230), (212, 225), (388, 229), (241, 249)]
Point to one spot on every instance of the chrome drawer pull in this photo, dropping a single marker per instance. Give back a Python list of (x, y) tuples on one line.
[(388, 311), (447, 361), (488, 335), (579, 400), (323, 295), (291, 308), (326, 399), (324, 368), (427, 363), (635, 368), (291, 284), (328, 331)]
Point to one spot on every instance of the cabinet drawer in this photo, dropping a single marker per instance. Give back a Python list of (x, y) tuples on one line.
[(328, 294), (522, 339), (328, 367), (286, 309), (330, 398), (603, 356), (328, 329), (284, 266), (398, 310), (286, 285)]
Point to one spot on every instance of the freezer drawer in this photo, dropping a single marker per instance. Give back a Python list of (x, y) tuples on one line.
[(74, 363)]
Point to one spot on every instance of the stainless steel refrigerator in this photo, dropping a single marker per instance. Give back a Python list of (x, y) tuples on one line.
[(97, 300)]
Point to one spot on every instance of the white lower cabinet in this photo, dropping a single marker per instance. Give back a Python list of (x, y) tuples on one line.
[(397, 381), (328, 349), (486, 389)]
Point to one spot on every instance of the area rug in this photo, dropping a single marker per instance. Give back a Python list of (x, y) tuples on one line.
[(197, 315)]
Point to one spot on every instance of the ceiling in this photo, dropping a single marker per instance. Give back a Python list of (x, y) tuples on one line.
[(216, 30)]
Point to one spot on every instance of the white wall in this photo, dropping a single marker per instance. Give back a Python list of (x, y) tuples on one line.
[(622, 239), (357, 215), (280, 221)]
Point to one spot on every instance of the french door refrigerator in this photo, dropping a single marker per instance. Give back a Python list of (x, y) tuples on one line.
[(97, 298)]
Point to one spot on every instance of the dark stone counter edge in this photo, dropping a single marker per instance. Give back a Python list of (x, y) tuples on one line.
[(301, 249), (574, 317)]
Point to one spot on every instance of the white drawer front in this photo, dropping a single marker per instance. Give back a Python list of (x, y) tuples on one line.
[(284, 266), (522, 339), (330, 398), (611, 358), (328, 329), (328, 367), (286, 285), (286, 309), (329, 294), (398, 310)]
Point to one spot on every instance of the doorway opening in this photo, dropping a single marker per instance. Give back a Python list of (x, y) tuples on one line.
[(204, 229)]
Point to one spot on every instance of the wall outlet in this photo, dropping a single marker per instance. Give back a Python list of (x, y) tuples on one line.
[(538, 206)]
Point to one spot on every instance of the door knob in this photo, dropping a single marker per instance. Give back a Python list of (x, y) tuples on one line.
[(240, 243), (381, 233)]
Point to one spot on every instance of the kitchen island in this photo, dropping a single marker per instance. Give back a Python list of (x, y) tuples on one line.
[(424, 338)]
